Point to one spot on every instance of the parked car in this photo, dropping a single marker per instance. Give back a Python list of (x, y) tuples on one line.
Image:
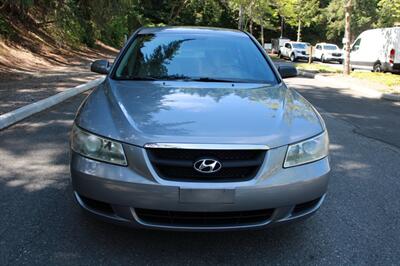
[(294, 51), (377, 50), (277, 44), (327, 52), (194, 129)]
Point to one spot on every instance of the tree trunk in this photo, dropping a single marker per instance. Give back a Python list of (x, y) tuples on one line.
[(282, 25), (176, 13), (347, 36), (240, 26), (262, 35), (299, 31), (251, 26)]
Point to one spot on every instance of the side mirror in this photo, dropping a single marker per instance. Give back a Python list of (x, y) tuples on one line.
[(287, 71), (100, 66)]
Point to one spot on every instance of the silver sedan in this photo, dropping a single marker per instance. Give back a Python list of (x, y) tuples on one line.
[(194, 129)]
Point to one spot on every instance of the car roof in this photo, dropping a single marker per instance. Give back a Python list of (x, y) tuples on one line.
[(324, 43), (192, 30)]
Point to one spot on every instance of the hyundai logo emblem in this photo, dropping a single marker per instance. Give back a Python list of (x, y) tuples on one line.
[(207, 166)]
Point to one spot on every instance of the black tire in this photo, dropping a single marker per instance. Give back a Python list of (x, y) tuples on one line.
[(293, 58), (322, 59), (341, 62), (377, 67), (280, 55)]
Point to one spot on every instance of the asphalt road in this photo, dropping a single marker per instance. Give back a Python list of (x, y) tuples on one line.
[(359, 222)]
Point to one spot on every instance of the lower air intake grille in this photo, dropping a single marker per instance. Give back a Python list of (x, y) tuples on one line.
[(178, 164), (203, 219)]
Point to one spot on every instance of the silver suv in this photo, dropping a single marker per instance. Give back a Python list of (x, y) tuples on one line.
[(194, 129), (294, 51), (326, 52)]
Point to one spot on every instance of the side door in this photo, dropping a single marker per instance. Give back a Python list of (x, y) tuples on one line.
[(288, 48), (317, 52), (355, 54), (282, 49)]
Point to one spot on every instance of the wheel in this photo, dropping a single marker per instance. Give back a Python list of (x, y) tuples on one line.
[(292, 58), (341, 62), (280, 55), (322, 59), (377, 67)]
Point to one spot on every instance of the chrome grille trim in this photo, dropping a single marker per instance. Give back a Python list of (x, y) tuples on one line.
[(195, 146)]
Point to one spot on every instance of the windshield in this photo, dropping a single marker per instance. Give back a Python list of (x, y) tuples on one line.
[(194, 57), (299, 45), (330, 47)]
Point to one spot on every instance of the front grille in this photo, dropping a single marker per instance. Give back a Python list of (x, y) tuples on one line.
[(337, 54), (203, 219), (178, 164)]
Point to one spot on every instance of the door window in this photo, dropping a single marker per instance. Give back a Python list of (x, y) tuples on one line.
[(356, 45)]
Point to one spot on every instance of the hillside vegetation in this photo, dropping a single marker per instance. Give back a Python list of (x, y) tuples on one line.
[(85, 21), (35, 33)]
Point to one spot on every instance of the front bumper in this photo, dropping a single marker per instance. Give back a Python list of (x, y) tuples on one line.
[(333, 58), (114, 193), (302, 56)]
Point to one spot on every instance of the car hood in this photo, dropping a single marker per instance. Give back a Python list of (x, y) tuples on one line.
[(139, 112)]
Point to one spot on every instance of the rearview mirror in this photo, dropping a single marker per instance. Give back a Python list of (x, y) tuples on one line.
[(100, 66), (287, 71)]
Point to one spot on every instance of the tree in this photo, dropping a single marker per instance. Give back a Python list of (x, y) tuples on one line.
[(348, 12), (364, 16), (298, 13), (263, 15), (260, 12), (389, 11)]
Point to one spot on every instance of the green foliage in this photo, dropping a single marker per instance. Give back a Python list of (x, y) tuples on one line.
[(363, 18), (84, 21), (5, 29), (389, 11)]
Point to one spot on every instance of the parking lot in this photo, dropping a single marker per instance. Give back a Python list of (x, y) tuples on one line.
[(358, 223)]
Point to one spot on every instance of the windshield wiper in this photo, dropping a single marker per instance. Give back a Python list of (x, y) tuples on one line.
[(208, 79), (140, 78), (166, 77), (180, 77)]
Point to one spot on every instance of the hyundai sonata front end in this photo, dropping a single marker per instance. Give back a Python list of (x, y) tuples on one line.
[(194, 129)]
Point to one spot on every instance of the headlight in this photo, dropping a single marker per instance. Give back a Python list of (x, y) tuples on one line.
[(98, 148), (307, 151)]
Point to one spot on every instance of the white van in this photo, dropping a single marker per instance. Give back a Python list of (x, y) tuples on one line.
[(377, 50)]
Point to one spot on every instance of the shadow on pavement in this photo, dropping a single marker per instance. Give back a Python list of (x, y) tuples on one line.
[(374, 118), (40, 223)]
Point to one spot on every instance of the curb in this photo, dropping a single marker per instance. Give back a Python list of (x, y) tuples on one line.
[(366, 91), (391, 97), (19, 114), (306, 74)]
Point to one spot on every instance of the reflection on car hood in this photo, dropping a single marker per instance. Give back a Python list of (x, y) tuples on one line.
[(139, 112)]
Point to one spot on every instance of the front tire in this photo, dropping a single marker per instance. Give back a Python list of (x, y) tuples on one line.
[(377, 67), (322, 59), (293, 58)]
